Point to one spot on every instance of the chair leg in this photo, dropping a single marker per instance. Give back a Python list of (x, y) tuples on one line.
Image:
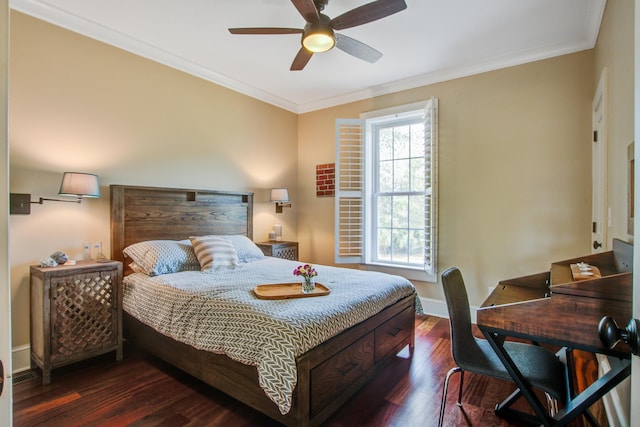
[(444, 391), (460, 387), (503, 407)]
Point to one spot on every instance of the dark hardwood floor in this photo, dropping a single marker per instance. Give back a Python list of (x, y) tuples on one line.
[(143, 391)]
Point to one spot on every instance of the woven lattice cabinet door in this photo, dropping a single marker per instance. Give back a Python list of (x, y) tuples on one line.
[(284, 250), (83, 315)]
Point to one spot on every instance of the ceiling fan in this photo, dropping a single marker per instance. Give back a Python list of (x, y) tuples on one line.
[(319, 35)]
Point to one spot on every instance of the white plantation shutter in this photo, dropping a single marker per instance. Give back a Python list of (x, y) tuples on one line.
[(431, 186), (349, 201)]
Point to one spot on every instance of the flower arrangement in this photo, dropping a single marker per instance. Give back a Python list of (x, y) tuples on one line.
[(307, 271)]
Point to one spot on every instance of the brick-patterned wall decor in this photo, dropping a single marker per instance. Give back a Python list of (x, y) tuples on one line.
[(326, 180)]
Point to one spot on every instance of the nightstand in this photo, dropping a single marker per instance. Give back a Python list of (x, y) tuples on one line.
[(76, 313), (285, 250)]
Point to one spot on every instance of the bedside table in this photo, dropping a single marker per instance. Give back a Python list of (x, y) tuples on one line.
[(284, 250), (76, 313)]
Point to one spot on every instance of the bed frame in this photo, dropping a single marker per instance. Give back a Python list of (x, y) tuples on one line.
[(327, 375)]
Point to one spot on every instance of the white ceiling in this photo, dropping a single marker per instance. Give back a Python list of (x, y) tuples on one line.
[(430, 41)]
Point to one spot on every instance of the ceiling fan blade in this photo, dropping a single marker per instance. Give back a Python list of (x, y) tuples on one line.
[(265, 30), (367, 13), (307, 9), (301, 59), (357, 48)]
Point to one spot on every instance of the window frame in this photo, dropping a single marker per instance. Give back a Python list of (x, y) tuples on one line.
[(367, 122)]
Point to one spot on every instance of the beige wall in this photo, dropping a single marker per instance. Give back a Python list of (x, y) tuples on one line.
[(77, 104), (514, 168)]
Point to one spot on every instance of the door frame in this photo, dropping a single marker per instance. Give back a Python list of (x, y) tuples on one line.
[(599, 199), (6, 398), (635, 364)]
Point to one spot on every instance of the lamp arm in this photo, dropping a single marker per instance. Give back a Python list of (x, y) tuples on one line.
[(280, 205), (42, 199)]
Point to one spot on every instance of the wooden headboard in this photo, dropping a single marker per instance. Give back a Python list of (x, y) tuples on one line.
[(153, 213)]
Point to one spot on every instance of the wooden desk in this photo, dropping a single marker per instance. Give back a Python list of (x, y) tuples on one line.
[(564, 320)]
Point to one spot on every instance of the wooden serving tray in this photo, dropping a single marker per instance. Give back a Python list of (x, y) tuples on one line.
[(288, 290)]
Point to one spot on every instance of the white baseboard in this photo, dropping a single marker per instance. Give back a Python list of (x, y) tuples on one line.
[(21, 358), (438, 308)]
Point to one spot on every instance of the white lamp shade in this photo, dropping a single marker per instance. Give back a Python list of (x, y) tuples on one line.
[(319, 36), (79, 184), (279, 195)]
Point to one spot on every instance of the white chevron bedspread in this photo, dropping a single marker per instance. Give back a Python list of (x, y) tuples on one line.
[(219, 312)]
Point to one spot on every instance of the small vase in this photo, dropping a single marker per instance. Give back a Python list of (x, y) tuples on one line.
[(308, 285)]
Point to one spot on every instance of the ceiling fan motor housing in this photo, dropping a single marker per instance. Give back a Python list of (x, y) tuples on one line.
[(320, 4)]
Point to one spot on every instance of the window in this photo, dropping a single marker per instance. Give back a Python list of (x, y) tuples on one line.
[(386, 190)]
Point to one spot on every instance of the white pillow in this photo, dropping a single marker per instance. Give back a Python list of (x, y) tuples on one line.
[(156, 257), (214, 253), (246, 249)]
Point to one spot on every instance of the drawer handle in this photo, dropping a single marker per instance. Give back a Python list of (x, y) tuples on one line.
[(395, 332), (347, 368)]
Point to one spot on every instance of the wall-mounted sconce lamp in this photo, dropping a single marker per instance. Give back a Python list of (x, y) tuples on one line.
[(281, 198), (74, 184)]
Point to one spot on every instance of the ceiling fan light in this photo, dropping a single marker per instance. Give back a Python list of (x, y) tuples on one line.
[(318, 42)]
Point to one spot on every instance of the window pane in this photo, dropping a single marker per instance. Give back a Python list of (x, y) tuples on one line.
[(416, 212), (385, 150), (385, 176), (399, 249), (401, 142), (401, 181), (417, 140), (416, 247), (417, 174), (400, 214), (384, 211), (384, 244)]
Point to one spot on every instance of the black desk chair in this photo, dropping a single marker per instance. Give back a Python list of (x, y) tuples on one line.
[(540, 366)]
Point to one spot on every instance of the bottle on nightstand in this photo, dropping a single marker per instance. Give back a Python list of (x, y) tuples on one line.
[(277, 229)]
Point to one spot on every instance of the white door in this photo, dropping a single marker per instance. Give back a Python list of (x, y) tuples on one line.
[(599, 215), (635, 367), (5, 288)]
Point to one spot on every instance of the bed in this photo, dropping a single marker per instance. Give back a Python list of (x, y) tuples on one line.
[(326, 373)]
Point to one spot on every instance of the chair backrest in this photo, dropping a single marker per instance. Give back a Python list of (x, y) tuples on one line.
[(463, 343)]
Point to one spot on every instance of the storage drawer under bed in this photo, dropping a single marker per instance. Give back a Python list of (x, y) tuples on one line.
[(391, 333), (336, 373)]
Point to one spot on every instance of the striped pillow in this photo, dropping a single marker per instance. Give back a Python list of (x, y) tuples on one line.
[(214, 253)]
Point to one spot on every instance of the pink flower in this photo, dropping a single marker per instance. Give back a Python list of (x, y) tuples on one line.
[(305, 271)]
